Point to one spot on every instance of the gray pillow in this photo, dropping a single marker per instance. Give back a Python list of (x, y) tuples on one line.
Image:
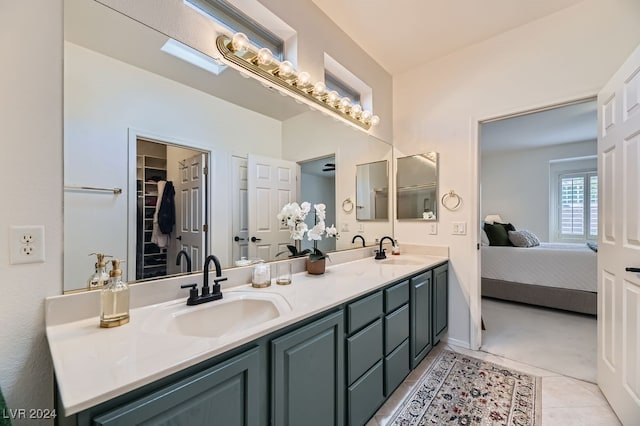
[(523, 238)]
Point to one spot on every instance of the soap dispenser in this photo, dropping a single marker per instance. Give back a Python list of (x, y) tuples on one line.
[(114, 300), (100, 277)]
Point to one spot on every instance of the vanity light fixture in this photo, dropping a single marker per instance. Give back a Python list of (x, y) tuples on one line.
[(239, 51)]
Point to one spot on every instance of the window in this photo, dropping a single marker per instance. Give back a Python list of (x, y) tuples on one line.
[(233, 19), (578, 206), (334, 83)]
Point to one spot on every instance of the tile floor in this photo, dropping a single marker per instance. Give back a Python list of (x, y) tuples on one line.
[(565, 401)]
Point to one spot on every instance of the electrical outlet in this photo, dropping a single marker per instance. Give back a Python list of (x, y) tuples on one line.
[(26, 244), (433, 229), (361, 227)]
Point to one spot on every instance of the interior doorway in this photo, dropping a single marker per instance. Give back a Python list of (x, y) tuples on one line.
[(170, 172), (534, 177), (318, 185)]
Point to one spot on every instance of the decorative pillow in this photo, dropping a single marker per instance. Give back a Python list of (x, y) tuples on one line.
[(484, 238), (523, 238), (498, 233)]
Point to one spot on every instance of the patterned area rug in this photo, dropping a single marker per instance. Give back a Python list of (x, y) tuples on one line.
[(458, 389)]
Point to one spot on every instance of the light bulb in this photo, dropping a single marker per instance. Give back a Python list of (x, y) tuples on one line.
[(285, 69), (239, 43), (345, 104), (304, 79), (333, 97), (375, 120), (365, 116), (265, 57), (356, 110), (319, 89)]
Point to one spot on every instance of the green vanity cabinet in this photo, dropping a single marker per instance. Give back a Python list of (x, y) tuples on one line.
[(396, 336), (307, 374), (440, 302), (421, 288), (365, 343), (225, 394)]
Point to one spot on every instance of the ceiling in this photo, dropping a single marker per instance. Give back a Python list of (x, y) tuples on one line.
[(566, 124), (402, 34)]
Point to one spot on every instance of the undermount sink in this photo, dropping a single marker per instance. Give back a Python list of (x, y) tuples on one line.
[(400, 261), (236, 311)]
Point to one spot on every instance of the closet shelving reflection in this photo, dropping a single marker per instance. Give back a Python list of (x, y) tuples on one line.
[(152, 260)]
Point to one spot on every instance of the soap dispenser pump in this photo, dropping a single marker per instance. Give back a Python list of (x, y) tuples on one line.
[(114, 300), (100, 277)]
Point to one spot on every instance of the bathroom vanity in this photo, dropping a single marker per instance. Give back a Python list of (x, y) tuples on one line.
[(328, 350)]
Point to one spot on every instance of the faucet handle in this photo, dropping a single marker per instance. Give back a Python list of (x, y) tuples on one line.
[(380, 254), (193, 292), (219, 279)]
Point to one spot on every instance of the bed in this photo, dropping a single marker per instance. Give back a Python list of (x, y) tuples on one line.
[(554, 275)]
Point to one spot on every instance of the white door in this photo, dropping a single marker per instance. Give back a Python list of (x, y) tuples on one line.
[(619, 241), (239, 213), (190, 212), (272, 184)]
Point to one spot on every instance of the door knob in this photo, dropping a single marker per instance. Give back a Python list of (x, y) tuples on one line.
[(254, 239), (179, 237), (632, 269), (236, 238)]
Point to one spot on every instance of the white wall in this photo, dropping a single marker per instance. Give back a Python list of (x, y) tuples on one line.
[(31, 169), (565, 56), (103, 99), (515, 184)]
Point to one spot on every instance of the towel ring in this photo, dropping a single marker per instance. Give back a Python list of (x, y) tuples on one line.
[(447, 199), (347, 205)]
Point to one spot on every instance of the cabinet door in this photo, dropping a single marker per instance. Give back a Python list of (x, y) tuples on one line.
[(421, 290), (226, 394), (308, 374), (440, 302)]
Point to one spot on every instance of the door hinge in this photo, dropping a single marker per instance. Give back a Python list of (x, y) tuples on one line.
[(478, 246), (205, 170), (205, 228)]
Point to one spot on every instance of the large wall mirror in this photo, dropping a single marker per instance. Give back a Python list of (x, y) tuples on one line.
[(417, 187), (135, 114), (372, 191)]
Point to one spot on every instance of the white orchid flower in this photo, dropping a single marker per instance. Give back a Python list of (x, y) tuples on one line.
[(316, 232), (331, 231), (320, 211), (305, 207)]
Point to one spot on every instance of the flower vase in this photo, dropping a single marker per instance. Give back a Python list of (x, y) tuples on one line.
[(316, 267)]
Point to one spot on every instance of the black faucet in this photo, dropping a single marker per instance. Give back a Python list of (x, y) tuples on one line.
[(380, 253), (207, 295), (353, 240), (183, 253)]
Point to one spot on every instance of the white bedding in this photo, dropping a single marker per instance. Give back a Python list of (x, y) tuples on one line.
[(559, 265)]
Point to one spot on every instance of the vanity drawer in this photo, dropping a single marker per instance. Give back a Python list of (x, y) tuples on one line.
[(396, 296), (363, 311), (364, 349), (396, 328), (396, 367), (365, 396)]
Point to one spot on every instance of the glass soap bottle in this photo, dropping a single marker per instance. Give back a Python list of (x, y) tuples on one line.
[(114, 300), (100, 277)]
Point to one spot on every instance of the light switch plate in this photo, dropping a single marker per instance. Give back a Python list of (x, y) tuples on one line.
[(433, 229), (459, 228)]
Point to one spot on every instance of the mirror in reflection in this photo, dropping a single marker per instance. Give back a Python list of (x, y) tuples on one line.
[(372, 191), (254, 142), (417, 186)]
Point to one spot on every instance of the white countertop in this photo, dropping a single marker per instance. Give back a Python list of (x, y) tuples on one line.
[(94, 365)]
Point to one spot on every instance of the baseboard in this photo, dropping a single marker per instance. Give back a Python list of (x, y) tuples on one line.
[(456, 342)]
